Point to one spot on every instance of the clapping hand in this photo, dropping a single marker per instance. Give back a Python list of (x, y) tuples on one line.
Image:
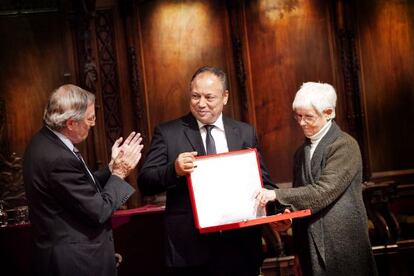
[(125, 156), (116, 148)]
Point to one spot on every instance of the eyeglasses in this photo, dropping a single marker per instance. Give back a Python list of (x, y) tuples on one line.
[(91, 119), (309, 119)]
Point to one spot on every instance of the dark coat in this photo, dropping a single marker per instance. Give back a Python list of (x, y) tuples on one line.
[(185, 246), (69, 213), (334, 240)]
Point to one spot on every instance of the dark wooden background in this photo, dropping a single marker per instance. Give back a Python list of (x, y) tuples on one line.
[(138, 58)]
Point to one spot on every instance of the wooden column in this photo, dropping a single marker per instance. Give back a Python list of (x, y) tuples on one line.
[(345, 34)]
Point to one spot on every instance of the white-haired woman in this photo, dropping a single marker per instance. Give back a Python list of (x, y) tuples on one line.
[(327, 179)]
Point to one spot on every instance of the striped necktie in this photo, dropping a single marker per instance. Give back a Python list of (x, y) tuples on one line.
[(210, 144), (79, 155)]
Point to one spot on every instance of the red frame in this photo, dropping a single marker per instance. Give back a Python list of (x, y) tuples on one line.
[(241, 224)]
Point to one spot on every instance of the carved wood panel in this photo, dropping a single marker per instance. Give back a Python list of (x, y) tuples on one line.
[(109, 80), (351, 98)]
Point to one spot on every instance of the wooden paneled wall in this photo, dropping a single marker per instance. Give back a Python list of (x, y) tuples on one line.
[(35, 57), (138, 58), (286, 43), (176, 38), (386, 50)]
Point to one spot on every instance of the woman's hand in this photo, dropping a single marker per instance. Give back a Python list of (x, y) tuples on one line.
[(282, 225), (263, 196)]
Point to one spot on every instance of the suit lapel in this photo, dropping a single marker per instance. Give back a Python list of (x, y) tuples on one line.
[(50, 135), (319, 153), (233, 137), (192, 133)]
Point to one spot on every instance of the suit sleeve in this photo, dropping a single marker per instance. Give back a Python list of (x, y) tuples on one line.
[(267, 182), (158, 172), (342, 165), (102, 175), (73, 188)]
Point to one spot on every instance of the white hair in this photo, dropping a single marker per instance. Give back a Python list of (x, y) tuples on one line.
[(67, 102), (319, 96)]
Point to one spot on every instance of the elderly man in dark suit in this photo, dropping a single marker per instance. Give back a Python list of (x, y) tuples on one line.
[(70, 207), (175, 145), (327, 179)]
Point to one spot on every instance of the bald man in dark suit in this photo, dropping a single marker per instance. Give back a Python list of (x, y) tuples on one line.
[(174, 146)]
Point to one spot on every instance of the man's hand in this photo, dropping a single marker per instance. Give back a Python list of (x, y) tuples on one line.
[(116, 148), (126, 156), (263, 196), (184, 164)]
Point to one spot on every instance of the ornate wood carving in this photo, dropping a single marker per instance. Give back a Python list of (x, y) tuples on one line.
[(351, 71), (129, 16), (82, 23), (97, 73), (11, 181), (11, 169), (134, 82), (87, 64), (135, 79), (108, 77), (234, 12)]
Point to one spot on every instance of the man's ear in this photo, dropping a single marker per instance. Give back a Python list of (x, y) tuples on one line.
[(70, 124), (226, 96)]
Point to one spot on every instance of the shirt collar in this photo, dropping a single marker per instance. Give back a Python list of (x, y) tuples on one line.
[(321, 132), (63, 138), (218, 123)]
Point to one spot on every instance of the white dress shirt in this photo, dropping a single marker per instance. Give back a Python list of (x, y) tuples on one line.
[(218, 134)]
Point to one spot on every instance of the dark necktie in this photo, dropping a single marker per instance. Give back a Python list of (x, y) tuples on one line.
[(79, 155), (210, 144)]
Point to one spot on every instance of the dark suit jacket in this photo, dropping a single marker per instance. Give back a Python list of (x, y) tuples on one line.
[(70, 214), (184, 245)]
